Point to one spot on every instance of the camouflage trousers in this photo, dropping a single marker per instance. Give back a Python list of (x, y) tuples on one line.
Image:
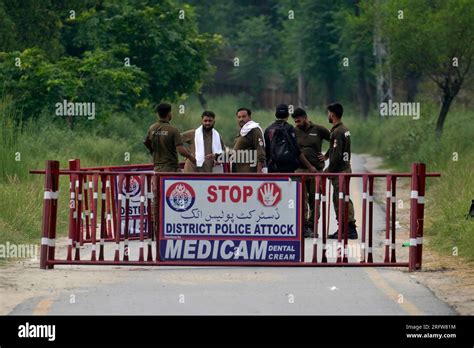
[(155, 185), (308, 197), (335, 199)]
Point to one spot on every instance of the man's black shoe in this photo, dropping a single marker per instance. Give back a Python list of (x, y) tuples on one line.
[(308, 232), (352, 233)]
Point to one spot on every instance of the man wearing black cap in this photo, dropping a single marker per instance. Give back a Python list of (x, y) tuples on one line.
[(282, 151), (310, 137)]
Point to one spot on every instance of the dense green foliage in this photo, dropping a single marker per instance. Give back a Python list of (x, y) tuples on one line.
[(118, 55)]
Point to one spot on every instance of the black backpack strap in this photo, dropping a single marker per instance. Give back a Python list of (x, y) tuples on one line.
[(272, 141), (289, 139)]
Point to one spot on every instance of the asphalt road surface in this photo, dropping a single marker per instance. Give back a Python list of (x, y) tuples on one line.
[(255, 290)]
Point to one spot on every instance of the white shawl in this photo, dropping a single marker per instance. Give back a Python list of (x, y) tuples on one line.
[(199, 145), (248, 127)]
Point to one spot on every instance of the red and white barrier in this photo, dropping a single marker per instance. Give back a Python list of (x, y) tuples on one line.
[(98, 196)]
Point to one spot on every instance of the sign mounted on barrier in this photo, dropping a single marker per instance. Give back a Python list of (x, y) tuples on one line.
[(133, 194), (230, 219)]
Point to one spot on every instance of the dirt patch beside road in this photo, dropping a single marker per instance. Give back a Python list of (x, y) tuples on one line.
[(450, 278), (21, 280)]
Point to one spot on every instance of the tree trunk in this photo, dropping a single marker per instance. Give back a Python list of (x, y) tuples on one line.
[(411, 85), (70, 122), (447, 99), (363, 95), (301, 91), (362, 87), (202, 101), (330, 90)]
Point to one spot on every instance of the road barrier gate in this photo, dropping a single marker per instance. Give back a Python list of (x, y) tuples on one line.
[(224, 219)]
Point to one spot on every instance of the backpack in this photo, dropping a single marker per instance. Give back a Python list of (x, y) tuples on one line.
[(283, 154)]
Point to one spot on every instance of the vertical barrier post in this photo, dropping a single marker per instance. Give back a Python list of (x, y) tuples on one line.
[(78, 229), (370, 199), (328, 199), (142, 216), (394, 218), (388, 204), (54, 213), (46, 214), (73, 166), (317, 200), (302, 216), (420, 212), (126, 250), (103, 221), (150, 234), (323, 214), (157, 179), (364, 217), (109, 200), (93, 214), (87, 208), (47, 209), (347, 197), (340, 219), (117, 208), (115, 204), (413, 218)]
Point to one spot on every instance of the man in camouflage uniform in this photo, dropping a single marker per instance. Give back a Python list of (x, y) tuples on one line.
[(309, 137), (339, 155), (164, 141), (250, 139)]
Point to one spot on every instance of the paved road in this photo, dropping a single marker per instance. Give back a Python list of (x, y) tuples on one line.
[(230, 290)]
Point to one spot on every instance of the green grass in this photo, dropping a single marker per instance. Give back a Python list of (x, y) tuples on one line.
[(400, 140), (28, 146)]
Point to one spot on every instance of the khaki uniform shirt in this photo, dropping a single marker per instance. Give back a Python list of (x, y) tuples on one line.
[(252, 141), (310, 141), (162, 140), (188, 138), (339, 149)]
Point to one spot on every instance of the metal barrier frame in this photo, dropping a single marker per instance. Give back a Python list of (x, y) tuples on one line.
[(50, 205)]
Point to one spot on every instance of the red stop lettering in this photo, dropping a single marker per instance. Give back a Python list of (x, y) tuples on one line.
[(235, 194), (247, 192)]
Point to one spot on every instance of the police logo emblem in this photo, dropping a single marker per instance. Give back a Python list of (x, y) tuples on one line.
[(180, 196)]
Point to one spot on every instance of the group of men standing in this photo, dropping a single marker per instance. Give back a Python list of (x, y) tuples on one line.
[(281, 148)]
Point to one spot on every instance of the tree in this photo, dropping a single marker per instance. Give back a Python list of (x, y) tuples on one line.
[(119, 55), (435, 38), (356, 41), (310, 44), (159, 37), (255, 49), (32, 24), (38, 84)]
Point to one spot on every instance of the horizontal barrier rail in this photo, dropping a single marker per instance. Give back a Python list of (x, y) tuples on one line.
[(110, 218)]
